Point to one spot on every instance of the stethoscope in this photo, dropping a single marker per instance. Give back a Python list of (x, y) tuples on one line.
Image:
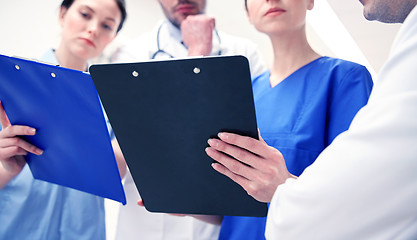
[(161, 51)]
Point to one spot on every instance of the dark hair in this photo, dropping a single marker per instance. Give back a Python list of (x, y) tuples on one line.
[(246, 4), (120, 3)]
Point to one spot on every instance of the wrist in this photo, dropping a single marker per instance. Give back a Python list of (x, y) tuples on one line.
[(199, 51)]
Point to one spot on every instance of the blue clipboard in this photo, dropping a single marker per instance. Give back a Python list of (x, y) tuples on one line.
[(63, 106)]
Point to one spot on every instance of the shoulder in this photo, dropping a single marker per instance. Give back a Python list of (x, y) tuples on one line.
[(261, 80), (134, 49), (341, 70), (49, 57), (336, 64), (343, 78), (137, 48), (143, 40), (338, 75), (140, 42), (262, 76)]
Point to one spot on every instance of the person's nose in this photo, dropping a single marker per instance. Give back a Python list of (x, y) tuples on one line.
[(93, 27)]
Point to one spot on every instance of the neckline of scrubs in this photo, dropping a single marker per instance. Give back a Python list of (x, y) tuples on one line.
[(293, 73)]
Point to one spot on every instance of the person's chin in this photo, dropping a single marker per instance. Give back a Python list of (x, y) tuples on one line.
[(86, 53), (368, 15)]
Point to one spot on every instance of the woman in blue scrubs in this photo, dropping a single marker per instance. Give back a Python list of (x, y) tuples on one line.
[(34, 209), (302, 103)]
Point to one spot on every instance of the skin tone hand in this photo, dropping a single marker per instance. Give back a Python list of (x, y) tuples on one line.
[(255, 166), (13, 149), (197, 34)]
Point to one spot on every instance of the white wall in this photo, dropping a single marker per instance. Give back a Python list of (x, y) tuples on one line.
[(29, 27)]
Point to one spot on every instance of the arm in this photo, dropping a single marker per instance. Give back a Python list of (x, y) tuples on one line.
[(197, 34), (13, 149), (350, 95), (257, 167), (120, 159), (364, 185), (117, 151)]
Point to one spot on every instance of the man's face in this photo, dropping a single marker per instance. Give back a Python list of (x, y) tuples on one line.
[(388, 11), (177, 10)]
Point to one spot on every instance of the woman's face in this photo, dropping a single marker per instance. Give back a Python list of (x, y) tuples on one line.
[(278, 16), (88, 26)]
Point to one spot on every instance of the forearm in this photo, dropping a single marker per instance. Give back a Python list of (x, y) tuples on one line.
[(121, 163)]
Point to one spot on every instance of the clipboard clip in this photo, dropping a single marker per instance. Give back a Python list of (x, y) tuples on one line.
[(35, 60)]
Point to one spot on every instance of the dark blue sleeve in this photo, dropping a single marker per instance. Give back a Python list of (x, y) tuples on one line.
[(350, 95)]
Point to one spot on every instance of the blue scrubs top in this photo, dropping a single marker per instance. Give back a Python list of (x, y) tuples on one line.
[(300, 117), (34, 209)]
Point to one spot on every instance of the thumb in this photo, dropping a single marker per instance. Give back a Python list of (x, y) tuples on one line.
[(260, 137), (140, 203)]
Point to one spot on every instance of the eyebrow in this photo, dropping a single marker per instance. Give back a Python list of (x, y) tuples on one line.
[(92, 10), (111, 19)]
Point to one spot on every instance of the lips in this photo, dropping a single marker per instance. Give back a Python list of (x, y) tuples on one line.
[(88, 42), (274, 11), (185, 8)]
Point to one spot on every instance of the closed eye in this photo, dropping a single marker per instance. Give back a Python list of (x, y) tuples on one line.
[(85, 15), (107, 27)]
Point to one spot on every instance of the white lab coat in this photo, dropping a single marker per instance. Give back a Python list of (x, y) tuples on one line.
[(135, 222), (145, 46), (364, 185)]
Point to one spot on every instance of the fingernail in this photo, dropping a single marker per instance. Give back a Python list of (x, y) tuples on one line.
[(222, 135), (39, 151), (209, 150), (213, 142), (32, 130)]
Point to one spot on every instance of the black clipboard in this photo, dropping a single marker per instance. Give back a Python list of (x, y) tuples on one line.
[(163, 113)]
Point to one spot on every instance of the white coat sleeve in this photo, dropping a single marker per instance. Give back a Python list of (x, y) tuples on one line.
[(364, 185)]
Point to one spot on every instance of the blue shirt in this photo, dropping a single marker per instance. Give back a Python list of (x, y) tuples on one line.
[(300, 117), (34, 209)]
